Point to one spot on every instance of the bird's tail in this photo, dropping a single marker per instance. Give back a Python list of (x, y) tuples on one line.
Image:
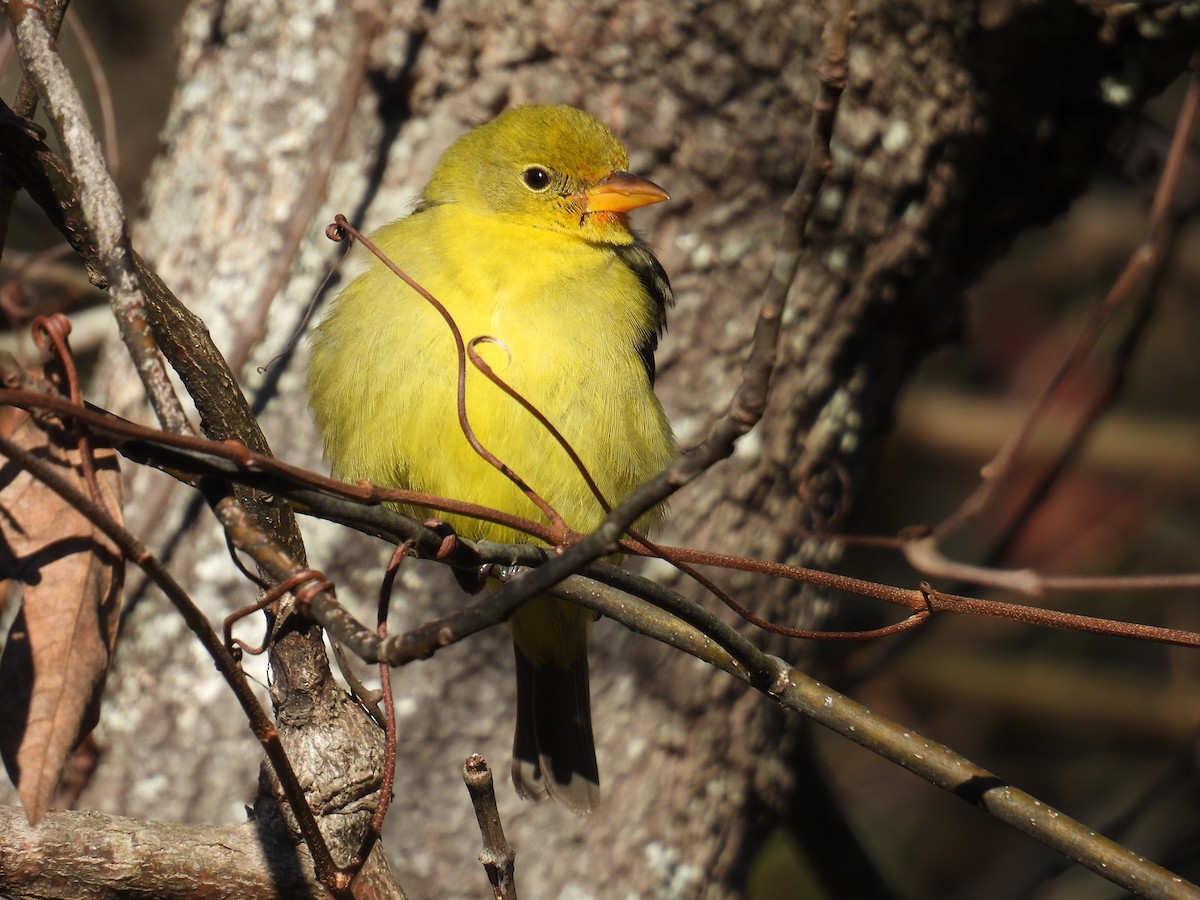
[(553, 749)]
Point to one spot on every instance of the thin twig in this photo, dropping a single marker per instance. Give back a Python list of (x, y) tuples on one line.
[(561, 529), (1146, 256), (1096, 406), (385, 690), (750, 399), (486, 370), (498, 856), (924, 555), (318, 495), (54, 329)]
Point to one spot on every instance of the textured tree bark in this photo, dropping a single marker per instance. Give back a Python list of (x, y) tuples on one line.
[(128, 857), (961, 124)]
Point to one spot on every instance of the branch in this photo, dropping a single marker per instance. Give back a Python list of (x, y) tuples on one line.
[(325, 497), (498, 856), (933, 762), (100, 203), (181, 336), (732, 652), (956, 774), (138, 858)]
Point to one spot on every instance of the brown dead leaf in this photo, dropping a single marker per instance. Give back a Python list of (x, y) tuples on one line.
[(54, 664)]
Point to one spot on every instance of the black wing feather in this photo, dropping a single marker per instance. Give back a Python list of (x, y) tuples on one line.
[(650, 273)]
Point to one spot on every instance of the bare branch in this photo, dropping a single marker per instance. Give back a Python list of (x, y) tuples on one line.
[(498, 856), (946, 769), (230, 461), (136, 857), (101, 205)]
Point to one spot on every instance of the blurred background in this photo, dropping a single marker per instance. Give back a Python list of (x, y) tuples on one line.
[(1101, 727)]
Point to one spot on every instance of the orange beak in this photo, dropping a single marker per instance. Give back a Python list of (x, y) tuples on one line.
[(621, 192)]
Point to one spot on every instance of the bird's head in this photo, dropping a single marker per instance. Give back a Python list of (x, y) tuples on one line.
[(552, 167)]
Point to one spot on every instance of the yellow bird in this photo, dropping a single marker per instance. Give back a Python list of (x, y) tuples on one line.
[(521, 234)]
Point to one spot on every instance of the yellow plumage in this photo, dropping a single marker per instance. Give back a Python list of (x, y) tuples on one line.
[(521, 235)]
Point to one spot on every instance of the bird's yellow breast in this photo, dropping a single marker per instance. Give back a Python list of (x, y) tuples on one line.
[(564, 319)]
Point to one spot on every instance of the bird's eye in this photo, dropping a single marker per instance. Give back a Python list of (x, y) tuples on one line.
[(536, 178)]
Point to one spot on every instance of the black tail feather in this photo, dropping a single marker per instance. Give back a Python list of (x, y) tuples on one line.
[(553, 749)]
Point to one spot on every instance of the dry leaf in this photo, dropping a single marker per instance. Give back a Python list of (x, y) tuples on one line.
[(55, 660)]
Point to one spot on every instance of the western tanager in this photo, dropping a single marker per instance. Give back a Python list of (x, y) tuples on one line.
[(521, 233)]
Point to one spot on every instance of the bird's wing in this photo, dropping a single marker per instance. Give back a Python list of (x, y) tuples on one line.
[(650, 273)]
